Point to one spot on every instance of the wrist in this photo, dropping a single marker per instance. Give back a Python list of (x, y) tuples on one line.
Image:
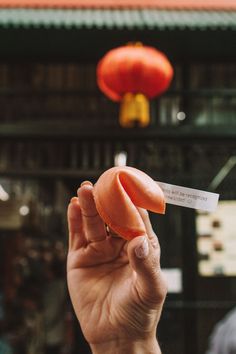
[(124, 346)]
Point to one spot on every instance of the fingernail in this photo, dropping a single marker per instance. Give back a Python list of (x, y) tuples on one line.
[(88, 183), (74, 199), (142, 249)]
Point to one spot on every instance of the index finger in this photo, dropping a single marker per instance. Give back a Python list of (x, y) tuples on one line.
[(93, 225), (74, 217)]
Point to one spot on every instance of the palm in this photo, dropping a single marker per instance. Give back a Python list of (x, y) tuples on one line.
[(108, 295)]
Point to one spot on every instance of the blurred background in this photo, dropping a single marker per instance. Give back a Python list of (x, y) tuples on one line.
[(57, 129)]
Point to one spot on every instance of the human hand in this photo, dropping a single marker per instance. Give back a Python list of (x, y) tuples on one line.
[(116, 287)]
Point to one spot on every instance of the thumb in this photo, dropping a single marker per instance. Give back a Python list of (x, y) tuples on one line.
[(144, 258)]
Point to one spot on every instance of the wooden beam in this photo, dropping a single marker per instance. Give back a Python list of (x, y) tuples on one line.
[(72, 130)]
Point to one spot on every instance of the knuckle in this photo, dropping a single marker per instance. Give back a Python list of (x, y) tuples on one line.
[(160, 289), (154, 241)]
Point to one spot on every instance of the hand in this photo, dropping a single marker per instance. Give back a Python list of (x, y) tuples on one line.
[(116, 287)]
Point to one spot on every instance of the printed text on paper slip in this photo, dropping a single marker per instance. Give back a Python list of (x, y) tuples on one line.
[(189, 197)]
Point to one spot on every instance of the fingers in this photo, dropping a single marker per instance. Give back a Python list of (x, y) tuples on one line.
[(92, 223), (76, 236), (145, 261)]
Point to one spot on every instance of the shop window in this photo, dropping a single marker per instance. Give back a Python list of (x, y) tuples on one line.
[(217, 241)]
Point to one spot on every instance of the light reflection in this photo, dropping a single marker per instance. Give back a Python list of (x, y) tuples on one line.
[(24, 210), (120, 158), (181, 115), (4, 196)]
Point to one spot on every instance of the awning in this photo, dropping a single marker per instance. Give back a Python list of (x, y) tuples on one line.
[(117, 19), (157, 4)]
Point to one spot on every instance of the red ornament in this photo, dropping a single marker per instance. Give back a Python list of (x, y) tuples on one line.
[(133, 74)]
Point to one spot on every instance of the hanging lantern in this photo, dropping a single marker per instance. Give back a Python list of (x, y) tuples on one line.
[(133, 74)]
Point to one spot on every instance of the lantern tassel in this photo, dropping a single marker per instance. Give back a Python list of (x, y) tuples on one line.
[(134, 110)]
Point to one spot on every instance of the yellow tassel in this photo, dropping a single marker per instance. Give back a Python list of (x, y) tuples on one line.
[(134, 110)]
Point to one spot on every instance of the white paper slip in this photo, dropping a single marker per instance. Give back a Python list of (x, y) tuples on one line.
[(189, 197)]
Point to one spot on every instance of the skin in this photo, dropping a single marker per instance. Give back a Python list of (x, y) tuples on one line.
[(116, 286)]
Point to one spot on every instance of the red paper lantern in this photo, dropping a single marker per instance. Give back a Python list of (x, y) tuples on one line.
[(133, 74)]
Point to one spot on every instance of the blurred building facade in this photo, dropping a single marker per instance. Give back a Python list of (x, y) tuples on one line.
[(57, 128)]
